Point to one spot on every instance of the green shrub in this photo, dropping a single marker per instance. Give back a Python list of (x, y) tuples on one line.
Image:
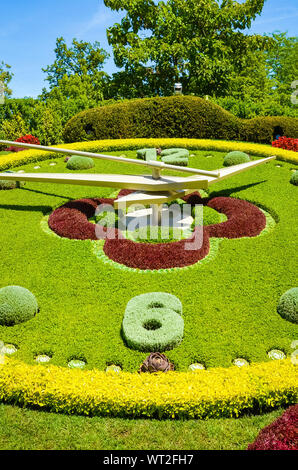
[(147, 154), (153, 322), (235, 158), (17, 305), (79, 163), (288, 305), (175, 156), (294, 178), (173, 116), (264, 129)]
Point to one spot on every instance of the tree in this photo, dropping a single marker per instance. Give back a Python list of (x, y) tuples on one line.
[(282, 60), (5, 77), (197, 42), (83, 59)]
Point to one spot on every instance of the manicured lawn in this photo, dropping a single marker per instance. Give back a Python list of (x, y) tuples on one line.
[(229, 303), (23, 429)]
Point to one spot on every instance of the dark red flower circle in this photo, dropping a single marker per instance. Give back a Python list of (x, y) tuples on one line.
[(244, 220)]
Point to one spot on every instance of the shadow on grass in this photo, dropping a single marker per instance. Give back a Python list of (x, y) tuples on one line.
[(229, 191), (47, 194), (25, 208)]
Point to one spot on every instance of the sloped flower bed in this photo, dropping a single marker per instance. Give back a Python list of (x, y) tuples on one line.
[(244, 220)]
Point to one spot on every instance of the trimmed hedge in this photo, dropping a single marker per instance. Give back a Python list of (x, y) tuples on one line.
[(17, 305), (174, 116), (153, 322), (12, 160), (202, 394), (79, 163)]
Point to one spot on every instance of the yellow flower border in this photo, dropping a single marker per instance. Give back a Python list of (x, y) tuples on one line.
[(212, 393), (30, 156), (216, 392)]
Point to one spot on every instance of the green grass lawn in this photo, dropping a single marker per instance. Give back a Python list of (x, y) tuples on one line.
[(229, 303), (24, 429)]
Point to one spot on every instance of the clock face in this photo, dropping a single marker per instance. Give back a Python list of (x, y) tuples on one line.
[(228, 288)]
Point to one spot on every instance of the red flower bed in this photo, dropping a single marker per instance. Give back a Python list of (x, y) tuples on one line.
[(287, 143), (282, 434), (156, 256), (244, 220), (26, 139)]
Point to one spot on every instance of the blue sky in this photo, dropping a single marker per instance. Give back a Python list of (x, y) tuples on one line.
[(29, 30)]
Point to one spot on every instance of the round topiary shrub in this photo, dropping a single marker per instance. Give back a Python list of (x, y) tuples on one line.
[(294, 178), (235, 158), (17, 305), (79, 163), (288, 305), (153, 322)]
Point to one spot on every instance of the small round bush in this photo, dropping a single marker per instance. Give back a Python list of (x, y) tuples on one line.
[(294, 178), (79, 163), (235, 158), (17, 305), (288, 305)]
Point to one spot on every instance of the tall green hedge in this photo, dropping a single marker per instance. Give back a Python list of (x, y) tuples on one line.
[(173, 116)]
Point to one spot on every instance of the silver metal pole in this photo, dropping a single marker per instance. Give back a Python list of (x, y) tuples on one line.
[(154, 164)]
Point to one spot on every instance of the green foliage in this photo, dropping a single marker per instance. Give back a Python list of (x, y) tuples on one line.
[(79, 163), (294, 178), (153, 322), (288, 305), (12, 129), (262, 129), (46, 124), (235, 158), (175, 116), (17, 305), (175, 31), (248, 108), (5, 77), (147, 154), (175, 156), (82, 58)]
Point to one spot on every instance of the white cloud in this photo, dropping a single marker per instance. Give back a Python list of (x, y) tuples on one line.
[(102, 17)]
